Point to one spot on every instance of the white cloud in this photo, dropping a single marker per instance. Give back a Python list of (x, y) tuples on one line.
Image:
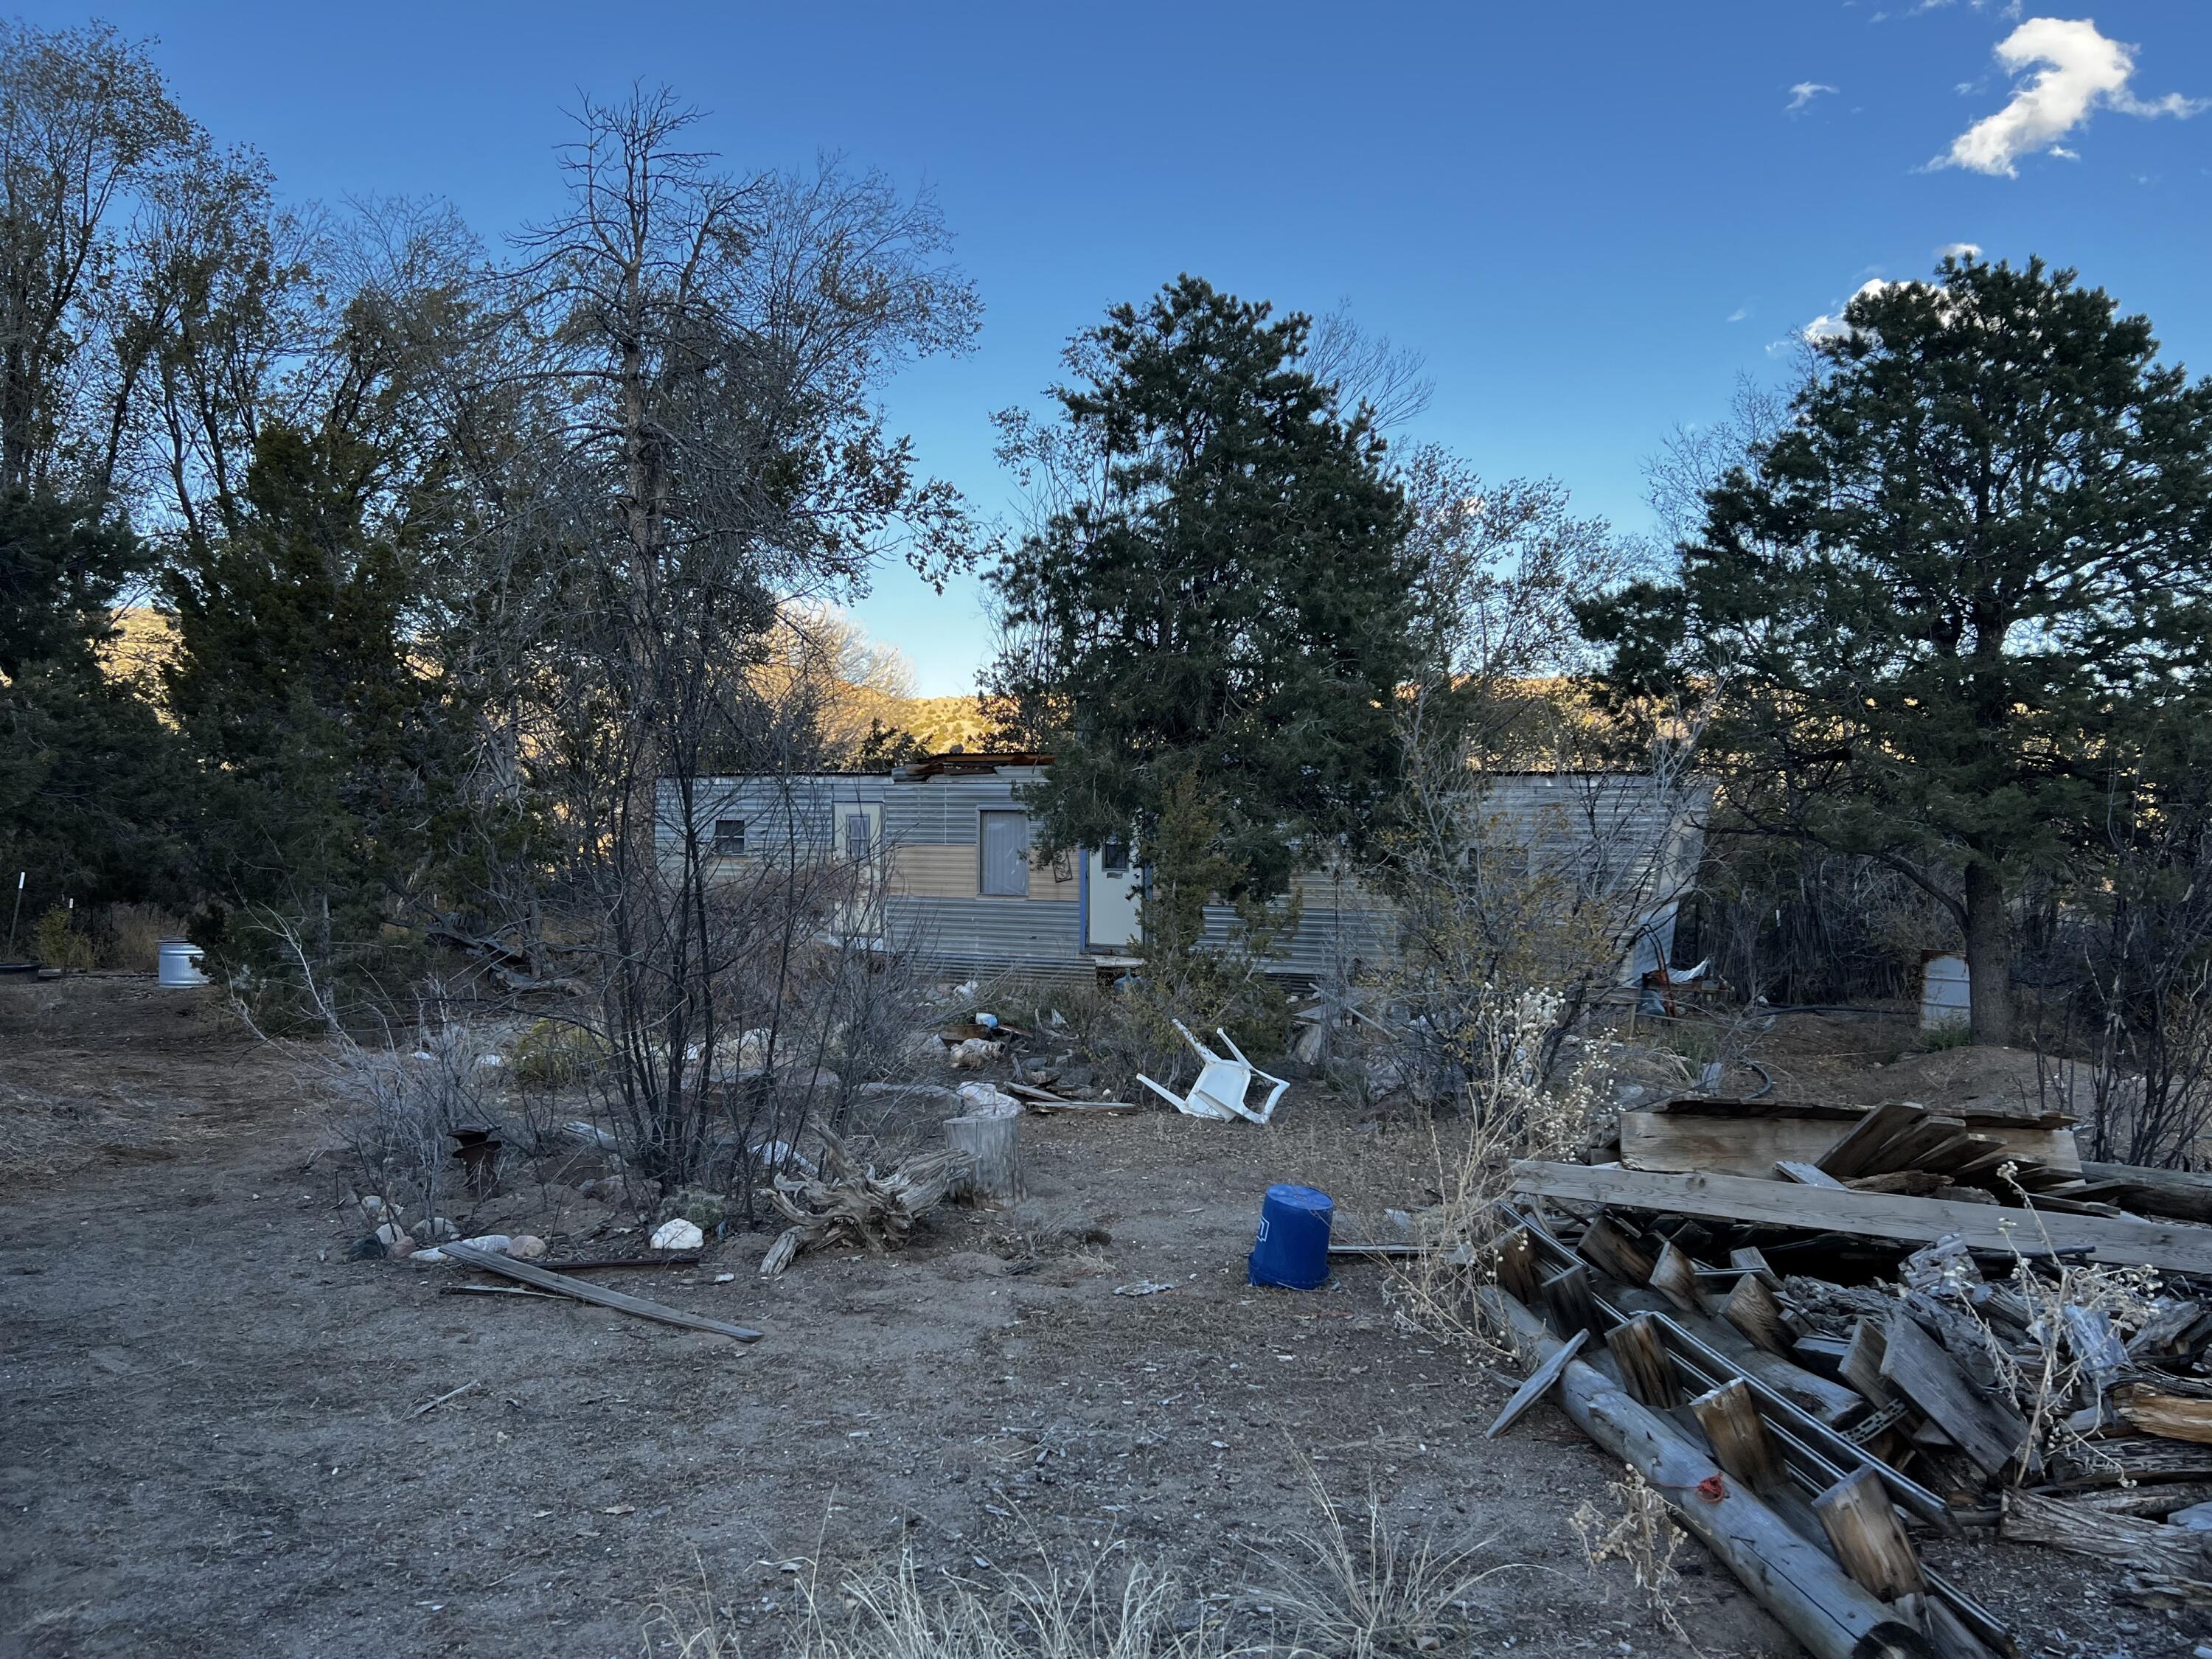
[(1802, 94), (1830, 326), (2078, 71), (1738, 314), (1959, 251)]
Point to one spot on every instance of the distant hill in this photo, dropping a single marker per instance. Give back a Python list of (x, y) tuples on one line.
[(941, 722)]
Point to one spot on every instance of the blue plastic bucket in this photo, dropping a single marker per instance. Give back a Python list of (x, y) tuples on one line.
[(1292, 1249)]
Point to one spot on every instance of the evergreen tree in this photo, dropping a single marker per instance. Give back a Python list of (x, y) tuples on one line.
[(94, 788), (1936, 613), (1223, 593), (294, 684)]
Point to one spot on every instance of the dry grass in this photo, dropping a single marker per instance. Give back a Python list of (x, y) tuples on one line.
[(1636, 1530), (131, 937)]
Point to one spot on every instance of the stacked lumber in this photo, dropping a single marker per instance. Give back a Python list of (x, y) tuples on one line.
[(1933, 1321)]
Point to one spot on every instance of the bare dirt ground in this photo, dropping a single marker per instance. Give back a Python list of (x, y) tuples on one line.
[(209, 1439)]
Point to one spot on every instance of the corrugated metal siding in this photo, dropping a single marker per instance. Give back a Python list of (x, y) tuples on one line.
[(990, 934), (777, 811)]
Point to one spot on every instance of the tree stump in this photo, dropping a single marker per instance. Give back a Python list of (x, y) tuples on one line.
[(990, 1141)]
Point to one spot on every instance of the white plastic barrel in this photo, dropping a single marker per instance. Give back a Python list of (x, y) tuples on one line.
[(180, 963), (1946, 996)]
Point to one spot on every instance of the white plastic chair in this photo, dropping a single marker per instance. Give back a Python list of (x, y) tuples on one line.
[(1223, 1083)]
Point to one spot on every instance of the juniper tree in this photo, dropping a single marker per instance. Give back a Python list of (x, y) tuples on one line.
[(1935, 612), (1219, 586)]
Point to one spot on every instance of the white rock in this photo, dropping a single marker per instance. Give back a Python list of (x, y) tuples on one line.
[(526, 1247), (435, 1229), (394, 1239), (489, 1062), (433, 1257), (491, 1244), (724, 1279), (982, 1100), (677, 1235)]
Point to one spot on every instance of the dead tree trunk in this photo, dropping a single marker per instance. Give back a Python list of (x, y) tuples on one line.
[(992, 1142)]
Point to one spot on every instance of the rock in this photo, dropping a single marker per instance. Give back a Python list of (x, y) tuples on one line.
[(430, 1257), (376, 1209), (528, 1247), (435, 1230), (982, 1100), (489, 1062), (371, 1249), (677, 1235), (489, 1243), (394, 1239)]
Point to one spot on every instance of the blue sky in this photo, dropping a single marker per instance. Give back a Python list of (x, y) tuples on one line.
[(1590, 218)]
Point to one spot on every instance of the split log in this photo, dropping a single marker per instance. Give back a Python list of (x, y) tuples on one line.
[(2173, 1246), (993, 1152), (2147, 1546), (2167, 1415), (1794, 1579), (1862, 1524)]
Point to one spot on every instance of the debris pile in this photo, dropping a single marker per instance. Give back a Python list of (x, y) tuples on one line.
[(1823, 1332)]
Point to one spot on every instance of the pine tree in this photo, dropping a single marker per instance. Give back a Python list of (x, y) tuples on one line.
[(1229, 597), (1936, 614)]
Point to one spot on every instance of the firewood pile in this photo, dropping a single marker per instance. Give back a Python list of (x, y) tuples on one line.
[(849, 1203), (1855, 1329)]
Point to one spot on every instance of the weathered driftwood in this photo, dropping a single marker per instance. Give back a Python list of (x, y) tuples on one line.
[(853, 1204), (592, 1293), (2174, 1247), (2148, 1547), (1808, 1593)]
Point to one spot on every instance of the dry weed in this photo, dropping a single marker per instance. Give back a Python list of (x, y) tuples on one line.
[(1355, 1589), (1637, 1530)]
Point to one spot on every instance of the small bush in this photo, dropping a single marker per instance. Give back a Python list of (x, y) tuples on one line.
[(553, 1054), (58, 945)]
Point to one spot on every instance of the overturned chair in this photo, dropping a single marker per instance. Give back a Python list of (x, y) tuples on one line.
[(1221, 1084)]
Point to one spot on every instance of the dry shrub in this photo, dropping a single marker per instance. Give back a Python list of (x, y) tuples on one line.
[(1112, 1606), (1354, 1589), (130, 937), (1517, 1112), (1635, 1528)]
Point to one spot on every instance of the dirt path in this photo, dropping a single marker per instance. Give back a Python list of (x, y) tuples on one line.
[(211, 1445)]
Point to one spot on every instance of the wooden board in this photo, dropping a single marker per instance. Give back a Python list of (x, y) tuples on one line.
[(2171, 1247), (1912, 1363), (592, 1293), (1836, 1112), (1538, 1385), (1680, 1143)]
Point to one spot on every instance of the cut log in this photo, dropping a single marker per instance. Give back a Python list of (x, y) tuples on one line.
[(1738, 1434), (2148, 1546), (2170, 1246), (1863, 1525), (1645, 1370), (995, 1148), (2169, 1416), (1991, 1434), (1794, 1579), (1538, 1385), (1752, 1308)]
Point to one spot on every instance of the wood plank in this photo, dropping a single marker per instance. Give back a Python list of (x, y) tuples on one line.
[(1912, 1363), (1610, 1250), (1739, 1437), (637, 1306), (1752, 1308), (1676, 1143), (2170, 1246), (1855, 1154), (1806, 1174), (1538, 1385), (1675, 1276), (2161, 1192), (1645, 1370)]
